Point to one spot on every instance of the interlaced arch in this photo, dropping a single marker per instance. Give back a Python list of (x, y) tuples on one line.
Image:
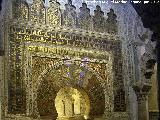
[(100, 81)]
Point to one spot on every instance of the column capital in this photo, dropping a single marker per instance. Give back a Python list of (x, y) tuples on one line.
[(142, 97), (142, 91)]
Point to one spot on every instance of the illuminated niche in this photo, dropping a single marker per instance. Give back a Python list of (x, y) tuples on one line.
[(72, 103)]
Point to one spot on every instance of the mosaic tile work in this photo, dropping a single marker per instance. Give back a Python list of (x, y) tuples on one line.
[(51, 48), (36, 65)]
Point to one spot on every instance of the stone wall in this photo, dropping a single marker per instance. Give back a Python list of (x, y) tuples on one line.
[(130, 29)]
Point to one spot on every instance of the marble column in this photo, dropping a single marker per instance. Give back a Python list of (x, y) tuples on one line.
[(1, 85), (158, 71), (142, 100), (156, 38)]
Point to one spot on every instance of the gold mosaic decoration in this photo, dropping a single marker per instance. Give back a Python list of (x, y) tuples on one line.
[(63, 56), (64, 75), (20, 10), (41, 14), (54, 14), (37, 12), (50, 64)]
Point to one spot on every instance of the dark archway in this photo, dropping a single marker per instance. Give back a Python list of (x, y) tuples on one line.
[(46, 101), (97, 97)]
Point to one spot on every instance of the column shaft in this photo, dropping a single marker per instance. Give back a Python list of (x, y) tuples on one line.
[(143, 113), (158, 71)]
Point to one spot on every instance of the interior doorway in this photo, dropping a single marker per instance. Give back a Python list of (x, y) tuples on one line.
[(46, 101), (72, 103)]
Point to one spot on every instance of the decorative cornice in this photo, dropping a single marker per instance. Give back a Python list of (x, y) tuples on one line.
[(37, 14)]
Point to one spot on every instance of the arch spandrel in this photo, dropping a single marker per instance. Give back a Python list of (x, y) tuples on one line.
[(39, 66)]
